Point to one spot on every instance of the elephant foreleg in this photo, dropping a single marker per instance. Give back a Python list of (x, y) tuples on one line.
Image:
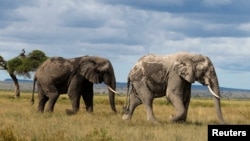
[(75, 102), (177, 102), (178, 93), (186, 99), (88, 95), (74, 93)]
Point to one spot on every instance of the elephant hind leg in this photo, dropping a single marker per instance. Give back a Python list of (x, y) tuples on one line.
[(150, 114), (147, 99), (42, 101), (134, 101), (52, 100)]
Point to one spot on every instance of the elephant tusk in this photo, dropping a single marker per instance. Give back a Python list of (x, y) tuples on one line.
[(213, 92), (113, 90)]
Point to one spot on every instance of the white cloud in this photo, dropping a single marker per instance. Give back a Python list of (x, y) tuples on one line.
[(217, 2), (245, 27), (123, 31)]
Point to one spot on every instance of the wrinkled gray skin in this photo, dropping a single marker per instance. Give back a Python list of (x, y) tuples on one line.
[(75, 77), (171, 76)]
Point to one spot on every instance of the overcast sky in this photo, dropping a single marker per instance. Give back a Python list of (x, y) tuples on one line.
[(124, 30)]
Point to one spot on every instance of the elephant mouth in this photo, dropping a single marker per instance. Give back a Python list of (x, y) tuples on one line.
[(203, 82), (206, 83)]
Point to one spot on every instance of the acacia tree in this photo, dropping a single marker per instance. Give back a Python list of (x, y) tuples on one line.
[(22, 65)]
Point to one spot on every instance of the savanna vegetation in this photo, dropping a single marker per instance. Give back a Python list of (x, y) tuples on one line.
[(22, 65), (19, 120)]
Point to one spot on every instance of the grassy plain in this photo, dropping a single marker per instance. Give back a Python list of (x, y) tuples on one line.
[(19, 121)]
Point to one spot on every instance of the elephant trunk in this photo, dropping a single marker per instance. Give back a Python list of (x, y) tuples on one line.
[(214, 85), (109, 79), (111, 90)]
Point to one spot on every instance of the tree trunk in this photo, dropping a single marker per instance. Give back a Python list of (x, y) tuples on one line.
[(17, 89)]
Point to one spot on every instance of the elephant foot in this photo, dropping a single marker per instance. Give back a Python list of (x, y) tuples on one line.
[(175, 119), (89, 109), (125, 110), (156, 122), (40, 111), (125, 117), (153, 120), (70, 112)]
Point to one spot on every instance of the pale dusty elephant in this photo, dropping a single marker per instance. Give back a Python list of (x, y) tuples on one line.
[(75, 77), (171, 76)]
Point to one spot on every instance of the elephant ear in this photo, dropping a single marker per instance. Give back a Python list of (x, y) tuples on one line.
[(93, 69), (184, 68)]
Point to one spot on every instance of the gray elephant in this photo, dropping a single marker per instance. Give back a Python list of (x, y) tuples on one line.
[(171, 76), (75, 77)]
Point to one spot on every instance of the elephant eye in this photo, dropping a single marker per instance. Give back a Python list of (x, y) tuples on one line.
[(199, 73)]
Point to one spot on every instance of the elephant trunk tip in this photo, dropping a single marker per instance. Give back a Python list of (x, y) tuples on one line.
[(112, 93), (115, 111), (217, 98), (223, 122), (32, 102)]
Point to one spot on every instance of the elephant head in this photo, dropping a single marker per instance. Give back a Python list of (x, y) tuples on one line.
[(98, 70), (200, 68)]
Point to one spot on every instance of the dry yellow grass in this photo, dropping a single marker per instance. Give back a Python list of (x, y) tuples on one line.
[(20, 121)]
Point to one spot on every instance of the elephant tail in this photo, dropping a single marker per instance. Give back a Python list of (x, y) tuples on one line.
[(33, 91), (126, 106)]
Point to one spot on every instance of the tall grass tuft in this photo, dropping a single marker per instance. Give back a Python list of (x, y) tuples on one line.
[(6, 134)]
